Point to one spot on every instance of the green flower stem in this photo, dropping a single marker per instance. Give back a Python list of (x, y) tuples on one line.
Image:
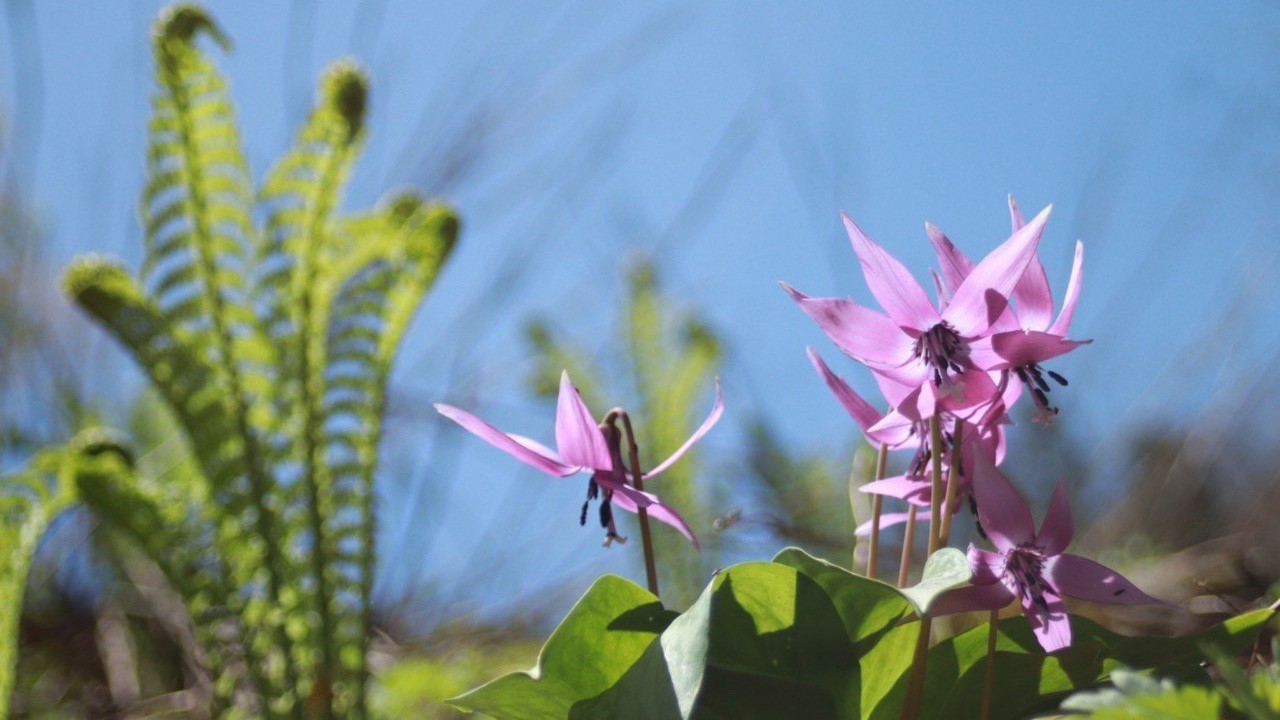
[(873, 550)]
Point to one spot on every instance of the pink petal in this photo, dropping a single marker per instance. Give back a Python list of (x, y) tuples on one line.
[(1082, 578), (860, 410), (1053, 631), (1002, 511), (886, 520), (991, 596), (539, 456), (1035, 301), (975, 388), (984, 294), (1016, 220), (912, 488), (910, 374), (955, 265), (577, 436), (894, 429), (1062, 325), (1055, 531), (863, 333), (987, 566), (716, 411), (1012, 349), (894, 392), (892, 284), (631, 499)]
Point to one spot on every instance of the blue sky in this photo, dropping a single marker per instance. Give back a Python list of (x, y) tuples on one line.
[(1152, 127)]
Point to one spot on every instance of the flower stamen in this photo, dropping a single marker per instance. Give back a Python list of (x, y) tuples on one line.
[(946, 354)]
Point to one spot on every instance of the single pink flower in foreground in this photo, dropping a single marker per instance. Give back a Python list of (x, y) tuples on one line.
[(1027, 334), (1031, 566), (582, 447), (917, 345)]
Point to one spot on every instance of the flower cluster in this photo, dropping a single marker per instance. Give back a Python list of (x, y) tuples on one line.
[(950, 369)]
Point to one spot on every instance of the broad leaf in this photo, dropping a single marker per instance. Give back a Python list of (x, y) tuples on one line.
[(589, 654), (946, 569)]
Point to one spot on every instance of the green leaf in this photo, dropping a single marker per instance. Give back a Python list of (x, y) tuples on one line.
[(1136, 696), (1027, 679), (597, 644), (946, 569)]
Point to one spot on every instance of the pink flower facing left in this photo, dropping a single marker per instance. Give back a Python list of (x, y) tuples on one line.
[(581, 447), (1031, 566)]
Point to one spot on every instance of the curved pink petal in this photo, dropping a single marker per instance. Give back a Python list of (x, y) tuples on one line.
[(863, 333), (991, 596), (894, 392), (894, 429), (1013, 349), (1055, 531), (954, 264), (631, 499), (984, 294), (912, 488), (1016, 221), (1033, 297), (860, 410), (1035, 301), (890, 281), (1078, 577), (1002, 511), (716, 411), (886, 520), (1062, 325), (911, 374), (974, 388), (988, 567), (578, 438), (1050, 623), (539, 456)]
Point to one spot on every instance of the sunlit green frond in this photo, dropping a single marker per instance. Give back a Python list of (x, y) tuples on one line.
[(29, 500), (395, 255), (300, 196), (190, 385)]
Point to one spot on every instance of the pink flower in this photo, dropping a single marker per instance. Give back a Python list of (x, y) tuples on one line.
[(1026, 334), (913, 486), (915, 344), (1031, 566), (581, 447)]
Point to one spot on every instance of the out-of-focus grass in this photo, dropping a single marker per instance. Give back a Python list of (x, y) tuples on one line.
[(416, 686)]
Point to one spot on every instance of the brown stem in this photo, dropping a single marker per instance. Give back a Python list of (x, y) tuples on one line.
[(988, 680), (935, 498), (904, 568), (873, 551), (953, 483), (646, 539)]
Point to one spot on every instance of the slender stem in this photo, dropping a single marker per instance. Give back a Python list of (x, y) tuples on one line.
[(915, 683), (904, 568), (873, 551), (646, 539), (988, 680), (953, 483), (935, 498)]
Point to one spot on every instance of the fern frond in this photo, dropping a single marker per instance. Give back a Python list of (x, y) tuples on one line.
[(394, 257), (29, 500), (300, 196)]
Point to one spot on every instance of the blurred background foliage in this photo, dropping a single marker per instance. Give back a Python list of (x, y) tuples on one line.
[(1182, 495)]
